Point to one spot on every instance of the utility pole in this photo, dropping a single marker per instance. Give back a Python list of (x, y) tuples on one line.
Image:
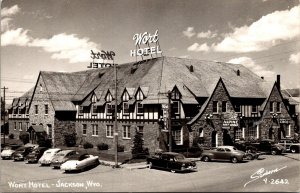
[(116, 118), (169, 120), (169, 95), (3, 116)]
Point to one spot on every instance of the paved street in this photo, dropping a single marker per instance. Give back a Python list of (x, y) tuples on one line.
[(211, 176)]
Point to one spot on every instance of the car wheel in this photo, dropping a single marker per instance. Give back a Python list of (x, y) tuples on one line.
[(293, 150), (234, 160), (206, 159), (273, 152), (150, 165), (249, 157)]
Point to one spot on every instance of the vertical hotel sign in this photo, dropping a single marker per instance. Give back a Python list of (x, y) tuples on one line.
[(145, 39)]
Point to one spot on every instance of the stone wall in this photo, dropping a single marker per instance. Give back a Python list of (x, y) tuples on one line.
[(63, 128), (150, 133), (215, 122), (41, 98), (16, 132)]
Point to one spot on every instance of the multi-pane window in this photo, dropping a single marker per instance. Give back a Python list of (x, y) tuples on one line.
[(125, 108), (177, 136), (126, 132), (46, 109), (254, 108), (94, 109), (237, 108), (16, 111), (109, 131), (84, 129), (80, 109), (224, 106), (140, 129), (139, 108), (252, 132), (95, 130), (20, 126), (278, 107), (271, 107), (109, 108), (49, 128), (27, 125), (175, 107), (36, 109), (15, 128), (239, 133), (215, 106)]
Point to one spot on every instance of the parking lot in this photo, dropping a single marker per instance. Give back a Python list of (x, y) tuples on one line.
[(210, 176)]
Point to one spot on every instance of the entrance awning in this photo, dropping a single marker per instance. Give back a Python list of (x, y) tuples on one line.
[(36, 128)]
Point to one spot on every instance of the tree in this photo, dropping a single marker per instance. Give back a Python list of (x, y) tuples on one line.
[(138, 145)]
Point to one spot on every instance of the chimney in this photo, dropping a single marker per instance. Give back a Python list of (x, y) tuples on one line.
[(238, 73), (262, 77), (278, 81), (191, 68)]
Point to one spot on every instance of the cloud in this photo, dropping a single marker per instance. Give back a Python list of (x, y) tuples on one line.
[(5, 12), (207, 34), (189, 32), (295, 58), (198, 48), (28, 77), (250, 64), (17, 37), (65, 46), (266, 32)]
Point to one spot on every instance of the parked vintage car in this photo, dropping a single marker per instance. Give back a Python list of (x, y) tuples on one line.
[(171, 161), (80, 162), (267, 146), (48, 156), (36, 154), (61, 157), (21, 153), (223, 153), (292, 145), (8, 151)]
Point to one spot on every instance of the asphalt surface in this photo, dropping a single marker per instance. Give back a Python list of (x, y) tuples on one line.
[(211, 176)]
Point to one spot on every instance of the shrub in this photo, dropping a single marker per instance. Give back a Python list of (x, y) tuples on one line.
[(45, 143), (24, 137), (102, 146), (120, 148), (70, 139), (11, 136), (87, 145)]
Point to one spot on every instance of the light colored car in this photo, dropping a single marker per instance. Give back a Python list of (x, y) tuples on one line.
[(61, 157), (223, 153), (8, 151), (80, 162), (292, 145), (48, 156)]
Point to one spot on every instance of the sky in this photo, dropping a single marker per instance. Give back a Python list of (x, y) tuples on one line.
[(57, 35)]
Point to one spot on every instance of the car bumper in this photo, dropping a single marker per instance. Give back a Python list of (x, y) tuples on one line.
[(45, 162), (6, 156), (31, 160), (18, 158), (190, 168), (55, 164)]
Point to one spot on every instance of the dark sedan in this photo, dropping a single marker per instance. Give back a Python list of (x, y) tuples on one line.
[(171, 161), (36, 154), (21, 153)]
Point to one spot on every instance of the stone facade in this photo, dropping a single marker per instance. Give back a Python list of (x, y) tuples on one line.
[(150, 133), (276, 122), (212, 126), (63, 128), (14, 126), (41, 99)]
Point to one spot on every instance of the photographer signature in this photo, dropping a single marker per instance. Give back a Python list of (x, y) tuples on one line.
[(262, 172)]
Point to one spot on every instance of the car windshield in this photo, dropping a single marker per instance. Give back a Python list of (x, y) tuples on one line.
[(179, 157)]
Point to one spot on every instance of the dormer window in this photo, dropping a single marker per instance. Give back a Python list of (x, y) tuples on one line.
[(176, 107), (109, 108), (139, 107), (125, 108)]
